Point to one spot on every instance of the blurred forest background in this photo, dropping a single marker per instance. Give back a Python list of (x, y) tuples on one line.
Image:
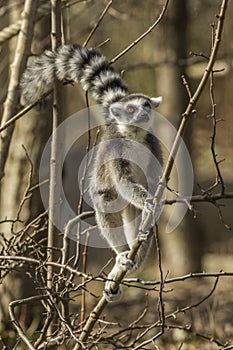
[(179, 46)]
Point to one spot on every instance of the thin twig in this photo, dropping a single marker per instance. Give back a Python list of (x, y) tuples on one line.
[(176, 312), (26, 194), (24, 259), (212, 198), (186, 85), (219, 178), (64, 320), (21, 113), (67, 232), (148, 31), (56, 147), (82, 181), (161, 307), (180, 278), (14, 321), (43, 10), (97, 23), (189, 329), (83, 298)]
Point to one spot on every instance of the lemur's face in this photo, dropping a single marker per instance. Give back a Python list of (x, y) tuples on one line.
[(134, 109)]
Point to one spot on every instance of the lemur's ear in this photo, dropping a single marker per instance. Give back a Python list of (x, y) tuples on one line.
[(156, 101), (116, 109)]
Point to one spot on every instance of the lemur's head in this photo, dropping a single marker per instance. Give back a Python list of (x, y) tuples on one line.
[(133, 109)]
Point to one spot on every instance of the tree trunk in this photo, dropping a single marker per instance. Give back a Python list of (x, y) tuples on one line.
[(181, 248), (31, 131)]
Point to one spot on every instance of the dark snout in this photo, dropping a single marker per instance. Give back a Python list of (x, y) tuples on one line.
[(142, 117)]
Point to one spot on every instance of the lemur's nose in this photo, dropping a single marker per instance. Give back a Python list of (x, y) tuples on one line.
[(142, 116)]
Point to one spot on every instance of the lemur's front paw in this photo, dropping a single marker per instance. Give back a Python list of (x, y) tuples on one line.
[(147, 218), (111, 295), (123, 262), (143, 236), (149, 205)]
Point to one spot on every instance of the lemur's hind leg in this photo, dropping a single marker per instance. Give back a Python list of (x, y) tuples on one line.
[(132, 218), (111, 228)]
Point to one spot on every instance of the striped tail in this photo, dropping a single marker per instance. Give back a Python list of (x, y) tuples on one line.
[(75, 63)]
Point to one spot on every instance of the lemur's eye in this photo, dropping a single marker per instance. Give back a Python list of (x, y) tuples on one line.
[(130, 109), (147, 105)]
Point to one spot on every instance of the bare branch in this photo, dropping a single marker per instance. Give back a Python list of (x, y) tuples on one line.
[(180, 278), (56, 149), (21, 113), (161, 307), (17, 67), (43, 10), (97, 23), (149, 30), (16, 324), (219, 178)]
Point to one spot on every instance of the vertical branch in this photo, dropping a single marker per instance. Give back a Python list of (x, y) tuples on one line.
[(219, 178), (82, 316), (56, 146), (161, 307), (83, 301), (18, 66), (82, 181)]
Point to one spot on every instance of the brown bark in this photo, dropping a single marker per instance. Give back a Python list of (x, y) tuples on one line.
[(182, 249), (31, 132)]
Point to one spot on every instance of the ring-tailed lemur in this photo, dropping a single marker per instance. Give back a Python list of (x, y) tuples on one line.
[(118, 185)]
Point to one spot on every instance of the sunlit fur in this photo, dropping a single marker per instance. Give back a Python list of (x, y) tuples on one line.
[(77, 64), (115, 178)]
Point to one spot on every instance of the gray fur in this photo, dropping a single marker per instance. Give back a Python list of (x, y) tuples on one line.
[(77, 64), (118, 187)]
